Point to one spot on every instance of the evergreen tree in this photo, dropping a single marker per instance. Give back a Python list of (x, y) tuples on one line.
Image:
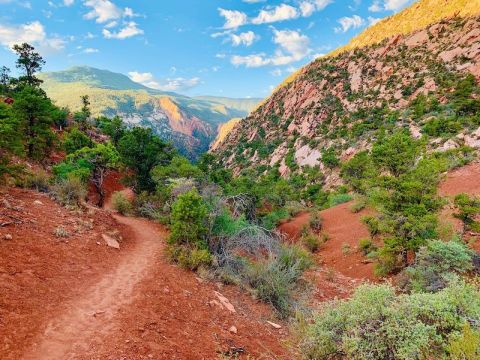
[(33, 110), (30, 62)]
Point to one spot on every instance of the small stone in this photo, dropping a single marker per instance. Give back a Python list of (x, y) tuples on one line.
[(111, 242), (8, 237), (233, 329), (98, 243), (38, 202), (272, 324)]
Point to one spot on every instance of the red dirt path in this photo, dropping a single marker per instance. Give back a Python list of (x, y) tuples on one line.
[(80, 300)]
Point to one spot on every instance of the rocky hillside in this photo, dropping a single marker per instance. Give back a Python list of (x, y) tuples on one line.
[(425, 81), (191, 123)]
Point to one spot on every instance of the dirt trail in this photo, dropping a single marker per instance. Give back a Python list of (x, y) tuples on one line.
[(68, 335)]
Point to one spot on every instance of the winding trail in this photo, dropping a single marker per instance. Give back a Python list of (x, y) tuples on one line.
[(68, 335)]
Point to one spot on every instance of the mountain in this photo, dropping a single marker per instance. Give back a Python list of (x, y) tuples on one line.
[(416, 78), (190, 123)]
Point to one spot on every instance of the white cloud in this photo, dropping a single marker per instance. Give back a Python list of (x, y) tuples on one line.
[(375, 7), (33, 33), (387, 5), (68, 2), (175, 84), (129, 30), (233, 18), (246, 38), (278, 13), (373, 21), (307, 8), (102, 11), (292, 47), (250, 61), (395, 4), (348, 23), (90, 51)]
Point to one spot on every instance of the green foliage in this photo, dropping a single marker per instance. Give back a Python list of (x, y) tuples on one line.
[(435, 263), (359, 171), (335, 199), (29, 62), (75, 140), (329, 158), (189, 221), (377, 324), (114, 128), (469, 208), (272, 219), (465, 346), (315, 222), (179, 167), (275, 279), (226, 225), (121, 203), (10, 138), (188, 258), (366, 246), (141, 151), (70, 192), (395, 153), (32, 109), (311, 242)]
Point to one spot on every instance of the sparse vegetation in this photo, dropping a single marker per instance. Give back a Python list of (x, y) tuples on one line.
[(121, 203)]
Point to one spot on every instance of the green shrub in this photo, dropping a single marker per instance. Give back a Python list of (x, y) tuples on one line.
[(70, 192), (465, 346), (311, 242), (76, 140), (192, 259), (315, 222), (188, 220), (359, 204), (274, 279), (435, 263), (337, 199), (39, 181), (121, 203), (272, 219), (366, 246), (377, 324), (469, 208)]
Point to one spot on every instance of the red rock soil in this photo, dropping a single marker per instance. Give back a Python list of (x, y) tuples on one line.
[(463, 180), (340, 273), (76, 298)]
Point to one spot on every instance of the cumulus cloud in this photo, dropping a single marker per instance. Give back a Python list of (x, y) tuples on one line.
[(129, 30), (233, 18), (102, 11), (68, 2), (387, 5), (347, 23), (271, 14), (278, 13), (33, 33), (292, 46), (174, 84), (245, 38)]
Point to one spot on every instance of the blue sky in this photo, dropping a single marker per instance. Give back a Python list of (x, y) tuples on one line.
[(235, 48)]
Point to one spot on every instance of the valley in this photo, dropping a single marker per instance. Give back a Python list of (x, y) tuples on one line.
[(338, 218)]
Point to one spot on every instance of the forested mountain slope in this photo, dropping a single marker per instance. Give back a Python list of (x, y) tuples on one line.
[(190, 123)]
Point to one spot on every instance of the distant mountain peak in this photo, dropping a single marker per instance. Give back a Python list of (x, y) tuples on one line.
[(104, 79)]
